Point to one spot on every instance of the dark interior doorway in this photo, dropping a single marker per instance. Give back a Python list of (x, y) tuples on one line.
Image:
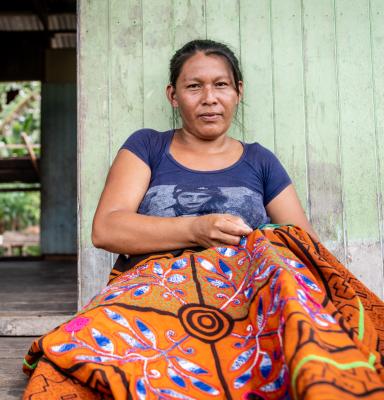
[(38, 44)]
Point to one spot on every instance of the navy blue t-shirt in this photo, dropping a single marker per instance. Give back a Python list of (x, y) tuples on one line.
[(242, 189)]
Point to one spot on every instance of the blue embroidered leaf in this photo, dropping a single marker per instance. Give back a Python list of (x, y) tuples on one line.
[(302, 296), (146, 332), (276, 300), (226, 270), (174, 394), (266, 273), (114, 316), (276, 384), (176, 378), (207, 265), (328, 318), (275, 278), (157, 269), (140, 389), (204, 386), (141, 290), (218, 283), (242, 379), (242, 358), (179, 264), (113, 295), (260, 267), (292, 263), (319, 321), (102, 341), (260, 313), (226, 251), (131, 340), (94, 358), (248, 292), (243, 241), (62, 348), (307, 282), (177, 278), (190, 366), (266, 366)]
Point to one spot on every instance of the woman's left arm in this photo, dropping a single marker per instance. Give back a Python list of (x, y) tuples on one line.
[(285, 208)]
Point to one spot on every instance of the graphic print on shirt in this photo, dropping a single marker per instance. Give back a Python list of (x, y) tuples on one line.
[(192, 200)]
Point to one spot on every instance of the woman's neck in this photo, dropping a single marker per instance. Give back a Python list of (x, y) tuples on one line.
[(192, 143)]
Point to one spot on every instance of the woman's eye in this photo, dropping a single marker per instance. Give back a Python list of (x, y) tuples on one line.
[(193, 86), (221, 84)]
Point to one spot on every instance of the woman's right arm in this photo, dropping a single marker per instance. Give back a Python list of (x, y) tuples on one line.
[(118, 228)]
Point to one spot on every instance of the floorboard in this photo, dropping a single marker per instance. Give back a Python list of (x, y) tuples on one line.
[(12, 379), (31, 292), (36, 296)]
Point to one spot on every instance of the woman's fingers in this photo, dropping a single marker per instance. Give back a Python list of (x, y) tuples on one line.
[(234, 225), (215, 229)]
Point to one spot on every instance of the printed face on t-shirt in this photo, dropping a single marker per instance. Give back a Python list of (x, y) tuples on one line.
[(171, 201), (192, 201)]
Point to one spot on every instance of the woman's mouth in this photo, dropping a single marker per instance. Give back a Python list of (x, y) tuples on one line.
[(210, 117)]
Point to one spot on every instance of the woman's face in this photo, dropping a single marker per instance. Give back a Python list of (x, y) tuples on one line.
[(205, 95)]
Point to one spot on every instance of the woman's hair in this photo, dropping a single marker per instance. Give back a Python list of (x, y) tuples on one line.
[(207, 47)]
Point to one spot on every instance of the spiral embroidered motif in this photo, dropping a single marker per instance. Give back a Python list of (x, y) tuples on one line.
[(207, 323)]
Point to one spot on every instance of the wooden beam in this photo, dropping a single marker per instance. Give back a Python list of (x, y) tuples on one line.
[(17, 169)]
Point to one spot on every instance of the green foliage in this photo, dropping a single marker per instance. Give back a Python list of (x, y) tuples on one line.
[(21, 114), (18, 210)]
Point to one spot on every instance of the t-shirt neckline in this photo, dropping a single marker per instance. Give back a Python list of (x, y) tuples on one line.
[(171, 134)]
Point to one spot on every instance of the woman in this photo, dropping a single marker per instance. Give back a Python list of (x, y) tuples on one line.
[(208, 306)]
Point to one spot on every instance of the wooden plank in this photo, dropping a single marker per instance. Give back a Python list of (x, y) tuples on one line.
[(51, 288), (290, 136), (188, 21), (359, 173), (222, 24), (324, 176), (17, 169), (12, 379), (157, 51), (188, 24), (14, 347), (26, 325), (377, 48), (126, 71), (256, 61), (58, 169), (93, 138)]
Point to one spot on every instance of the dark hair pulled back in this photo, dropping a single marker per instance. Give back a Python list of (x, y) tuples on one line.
[(207, 47)]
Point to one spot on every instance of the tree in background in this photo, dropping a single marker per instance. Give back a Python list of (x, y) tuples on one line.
[(19, 115), (19, 112)]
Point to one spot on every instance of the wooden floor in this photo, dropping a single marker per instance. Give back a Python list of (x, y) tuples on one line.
[(31, 292), (12, 379)]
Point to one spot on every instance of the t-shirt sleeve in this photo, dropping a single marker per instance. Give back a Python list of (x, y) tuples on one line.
[(139, 144), (275, 177)]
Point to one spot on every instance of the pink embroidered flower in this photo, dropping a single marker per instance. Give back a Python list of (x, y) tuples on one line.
[(76, 324)]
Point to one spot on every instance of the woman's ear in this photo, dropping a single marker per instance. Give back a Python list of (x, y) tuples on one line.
[(171, 96), (240, 94)]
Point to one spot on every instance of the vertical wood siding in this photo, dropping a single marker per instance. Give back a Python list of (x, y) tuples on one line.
[(58, 169), (314, 94)]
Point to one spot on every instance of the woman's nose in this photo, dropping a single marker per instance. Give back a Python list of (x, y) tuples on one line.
[(209, 95)]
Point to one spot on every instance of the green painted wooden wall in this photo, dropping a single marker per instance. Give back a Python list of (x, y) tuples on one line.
[(314, 94)]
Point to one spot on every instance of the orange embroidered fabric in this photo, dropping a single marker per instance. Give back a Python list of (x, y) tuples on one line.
[(277, 317)]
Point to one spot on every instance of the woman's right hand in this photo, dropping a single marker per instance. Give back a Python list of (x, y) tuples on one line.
[(218, 229)]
